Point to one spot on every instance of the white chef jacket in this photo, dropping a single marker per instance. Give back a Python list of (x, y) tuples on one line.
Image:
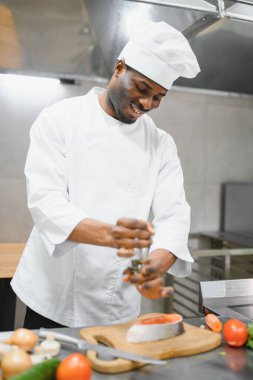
[(82, 163)]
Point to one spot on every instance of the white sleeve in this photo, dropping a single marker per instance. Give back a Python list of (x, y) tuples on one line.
[(171, 211), (47, 186)]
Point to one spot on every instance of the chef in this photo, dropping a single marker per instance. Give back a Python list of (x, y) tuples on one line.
[(97, 166)]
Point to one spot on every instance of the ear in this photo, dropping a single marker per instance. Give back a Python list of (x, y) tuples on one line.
[(119, 67)]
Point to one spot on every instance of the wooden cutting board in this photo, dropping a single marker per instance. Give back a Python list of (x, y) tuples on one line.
[(193, 341)]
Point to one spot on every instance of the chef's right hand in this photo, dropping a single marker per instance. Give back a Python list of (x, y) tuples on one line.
[(131, 233)]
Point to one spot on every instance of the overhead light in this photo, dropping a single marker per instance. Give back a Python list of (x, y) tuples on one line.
[(24, 81)]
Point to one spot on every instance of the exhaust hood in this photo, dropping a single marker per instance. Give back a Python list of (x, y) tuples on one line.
[(80, 39), (240, 12), (200, 5)]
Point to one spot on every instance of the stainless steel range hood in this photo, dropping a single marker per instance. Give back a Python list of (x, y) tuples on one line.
[(80, 39), (199, 5)]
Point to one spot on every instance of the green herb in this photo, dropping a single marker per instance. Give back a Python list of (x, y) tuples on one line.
[(250, 329), (250, 336)]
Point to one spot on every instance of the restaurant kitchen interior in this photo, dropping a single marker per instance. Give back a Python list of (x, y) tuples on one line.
[(74, 44)]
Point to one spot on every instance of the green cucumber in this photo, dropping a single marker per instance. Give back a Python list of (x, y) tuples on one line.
[(43, 371)]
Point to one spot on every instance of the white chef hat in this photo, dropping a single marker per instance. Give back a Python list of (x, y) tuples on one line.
[(161, 53)]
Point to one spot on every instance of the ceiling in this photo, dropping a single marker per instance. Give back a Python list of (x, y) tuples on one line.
[(81, 39)]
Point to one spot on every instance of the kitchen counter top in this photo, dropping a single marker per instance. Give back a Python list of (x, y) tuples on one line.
[(240, 238), (229, 298), (10, 254), (223, 363)]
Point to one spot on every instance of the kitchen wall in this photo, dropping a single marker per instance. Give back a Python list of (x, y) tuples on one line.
[(213, 132)]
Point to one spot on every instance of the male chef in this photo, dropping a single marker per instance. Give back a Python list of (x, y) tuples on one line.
[(97, 165)]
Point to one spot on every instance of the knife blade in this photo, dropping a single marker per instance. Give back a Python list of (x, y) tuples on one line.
[(101, 349)]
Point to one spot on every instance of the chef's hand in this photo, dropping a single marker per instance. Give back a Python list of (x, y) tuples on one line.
[(131, 233), (150, 281)]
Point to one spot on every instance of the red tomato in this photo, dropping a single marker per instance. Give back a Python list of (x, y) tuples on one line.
[(235, 332), (75, 367)]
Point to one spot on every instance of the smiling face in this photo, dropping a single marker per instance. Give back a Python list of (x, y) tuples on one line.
[(130, 94)]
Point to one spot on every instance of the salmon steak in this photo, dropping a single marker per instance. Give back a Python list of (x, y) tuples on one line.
[(156, 328)]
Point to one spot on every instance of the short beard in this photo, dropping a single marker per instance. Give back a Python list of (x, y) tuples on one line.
[(120, 115), (123, 119)]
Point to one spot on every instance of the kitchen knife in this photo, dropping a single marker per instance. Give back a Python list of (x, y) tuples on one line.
[(100, 348)]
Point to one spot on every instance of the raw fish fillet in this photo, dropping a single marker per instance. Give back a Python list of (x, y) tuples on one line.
[(161, 327)]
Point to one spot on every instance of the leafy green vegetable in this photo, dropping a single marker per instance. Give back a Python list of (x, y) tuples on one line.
[(250, 329), (250, 336)]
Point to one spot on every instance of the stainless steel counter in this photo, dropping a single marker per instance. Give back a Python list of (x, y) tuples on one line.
[(229, 298), (223, 363)]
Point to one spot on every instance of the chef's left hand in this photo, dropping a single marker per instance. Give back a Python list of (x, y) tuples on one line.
[(150, 281)]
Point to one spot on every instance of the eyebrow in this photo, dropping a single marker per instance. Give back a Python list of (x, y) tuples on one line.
[(151, 88)]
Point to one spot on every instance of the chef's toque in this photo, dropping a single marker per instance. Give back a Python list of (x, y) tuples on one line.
[(161, 53)]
